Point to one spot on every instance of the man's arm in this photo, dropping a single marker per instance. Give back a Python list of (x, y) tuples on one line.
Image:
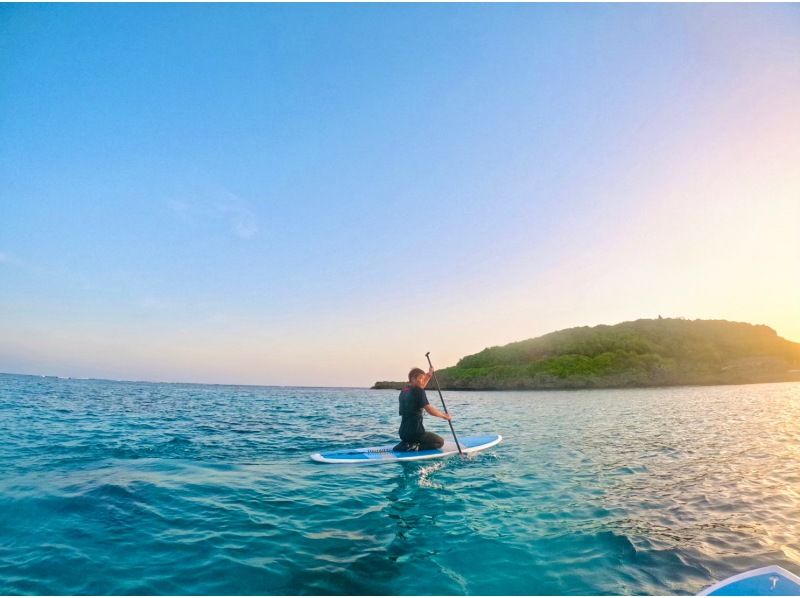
[(427, 377), (436, 413)]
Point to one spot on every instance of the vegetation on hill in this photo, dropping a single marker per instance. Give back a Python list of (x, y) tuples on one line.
[(660, 352)]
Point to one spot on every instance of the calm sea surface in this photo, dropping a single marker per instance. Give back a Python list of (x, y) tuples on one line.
[(114, 488)]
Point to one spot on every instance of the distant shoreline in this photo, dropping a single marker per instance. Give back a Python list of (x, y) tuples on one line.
[(791, 377), (397, 385)]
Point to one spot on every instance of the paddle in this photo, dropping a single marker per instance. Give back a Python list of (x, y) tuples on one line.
[(435, 379)]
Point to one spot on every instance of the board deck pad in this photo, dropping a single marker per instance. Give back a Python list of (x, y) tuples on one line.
[(766, 581), (385, 454)]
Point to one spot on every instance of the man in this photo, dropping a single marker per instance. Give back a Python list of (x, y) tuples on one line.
[(412, 401)]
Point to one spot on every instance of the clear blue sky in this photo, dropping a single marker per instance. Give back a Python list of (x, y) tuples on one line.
[(318, 194)]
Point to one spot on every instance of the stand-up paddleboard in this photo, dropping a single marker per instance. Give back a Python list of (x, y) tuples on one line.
[(385, 454), (766, 581)]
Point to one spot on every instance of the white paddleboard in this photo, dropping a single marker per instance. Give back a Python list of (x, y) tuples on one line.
[(385, 454)]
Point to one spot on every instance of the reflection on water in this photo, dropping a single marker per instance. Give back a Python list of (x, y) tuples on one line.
[(186, 489)]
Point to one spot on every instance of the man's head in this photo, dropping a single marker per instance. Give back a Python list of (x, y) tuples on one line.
[(414, 375)]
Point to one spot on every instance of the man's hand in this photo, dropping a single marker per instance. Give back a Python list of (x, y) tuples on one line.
[(447, 416)]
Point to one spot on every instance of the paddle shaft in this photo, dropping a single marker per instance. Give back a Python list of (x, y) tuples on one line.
[(435, 379)]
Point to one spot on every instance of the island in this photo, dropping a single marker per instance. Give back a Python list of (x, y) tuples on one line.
[(641, 353)]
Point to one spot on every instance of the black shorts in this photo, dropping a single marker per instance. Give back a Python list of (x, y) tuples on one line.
[(425, 442)]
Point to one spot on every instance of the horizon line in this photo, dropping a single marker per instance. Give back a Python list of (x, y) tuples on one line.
[(182, 383)]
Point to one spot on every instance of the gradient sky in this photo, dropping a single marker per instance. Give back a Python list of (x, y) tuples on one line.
[(319, 194)]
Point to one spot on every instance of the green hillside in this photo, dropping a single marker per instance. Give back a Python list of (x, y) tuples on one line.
[(660, 352)]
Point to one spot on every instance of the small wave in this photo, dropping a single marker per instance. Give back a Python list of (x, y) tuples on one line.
[(426, 471)]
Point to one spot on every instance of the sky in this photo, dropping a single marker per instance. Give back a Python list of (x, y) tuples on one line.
[(320, 194)]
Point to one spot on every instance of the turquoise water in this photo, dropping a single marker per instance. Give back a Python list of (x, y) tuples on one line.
[(113, 487)]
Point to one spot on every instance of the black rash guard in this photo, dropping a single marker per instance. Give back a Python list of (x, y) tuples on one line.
[(412, 400)]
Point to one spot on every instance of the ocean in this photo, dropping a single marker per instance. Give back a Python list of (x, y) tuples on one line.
[(141, 488)]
